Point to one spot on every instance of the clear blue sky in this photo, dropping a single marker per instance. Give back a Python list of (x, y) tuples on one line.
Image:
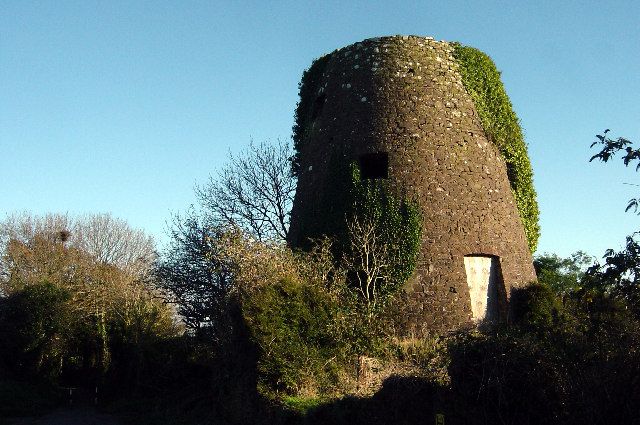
[(123, 106)]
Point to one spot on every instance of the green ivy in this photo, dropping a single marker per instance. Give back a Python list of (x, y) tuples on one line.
[(398, 219), (482, 80), (346, 196)]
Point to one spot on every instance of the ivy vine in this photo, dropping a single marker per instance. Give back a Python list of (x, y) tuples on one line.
[(482, 80), (397, 219)]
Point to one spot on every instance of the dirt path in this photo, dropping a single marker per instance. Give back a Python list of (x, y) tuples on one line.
[(67, 416)]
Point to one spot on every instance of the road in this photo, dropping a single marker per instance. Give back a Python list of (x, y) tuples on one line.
[(81, 415)]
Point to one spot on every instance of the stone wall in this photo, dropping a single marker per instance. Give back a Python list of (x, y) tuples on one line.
[(404, 96)]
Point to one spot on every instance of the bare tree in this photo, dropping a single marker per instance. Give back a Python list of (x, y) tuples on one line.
[(107, 239), (369, 260), (254, 191), (25, 226), (112, 241)]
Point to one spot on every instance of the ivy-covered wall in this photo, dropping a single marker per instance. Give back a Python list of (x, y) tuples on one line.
[(482, 80), (500, 122), (396, 220), (395, 217)]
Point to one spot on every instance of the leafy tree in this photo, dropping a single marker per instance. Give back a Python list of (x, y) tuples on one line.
[(609, 148), (620, 273), (562, 274), (106, 301)]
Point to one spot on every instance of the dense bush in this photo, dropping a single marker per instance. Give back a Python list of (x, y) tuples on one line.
[(77, 309), (35, 330), (536, 307), (291, 310), (291, 327), (293, 323), (580, 374)]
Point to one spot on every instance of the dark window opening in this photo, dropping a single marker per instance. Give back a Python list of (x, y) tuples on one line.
[(317, 106), (374, 165)]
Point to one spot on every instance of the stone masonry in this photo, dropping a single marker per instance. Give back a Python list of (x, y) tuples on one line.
[(403, 96)]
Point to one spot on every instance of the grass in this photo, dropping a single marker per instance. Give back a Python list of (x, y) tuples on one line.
[(302, 404)]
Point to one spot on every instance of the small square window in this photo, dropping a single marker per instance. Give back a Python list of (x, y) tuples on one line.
[(374, 165)]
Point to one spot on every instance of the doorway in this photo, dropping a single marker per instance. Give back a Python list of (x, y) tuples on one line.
[(484, 279)]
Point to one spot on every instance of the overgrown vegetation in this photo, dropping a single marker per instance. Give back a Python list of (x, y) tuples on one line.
[(313, 345), (374, 228), (280, 336), (502, 126), (381, 226), (304, 322), (77, 308)]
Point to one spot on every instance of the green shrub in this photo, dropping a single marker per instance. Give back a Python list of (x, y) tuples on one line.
[(395, 217), (580, 374), (507, 377), (34, 330), (535, 306), (291, 322)]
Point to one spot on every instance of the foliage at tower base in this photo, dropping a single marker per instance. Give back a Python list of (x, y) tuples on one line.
[(301, 320), (294, 341), (289, 327)]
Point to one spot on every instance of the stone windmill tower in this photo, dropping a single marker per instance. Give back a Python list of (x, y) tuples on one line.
[(431, 121)]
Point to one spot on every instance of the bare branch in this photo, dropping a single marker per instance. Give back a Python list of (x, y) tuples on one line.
[(369, 259), (254, 191)]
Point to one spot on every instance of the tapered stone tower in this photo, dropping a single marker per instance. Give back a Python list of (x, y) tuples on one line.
[(398, 108)]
